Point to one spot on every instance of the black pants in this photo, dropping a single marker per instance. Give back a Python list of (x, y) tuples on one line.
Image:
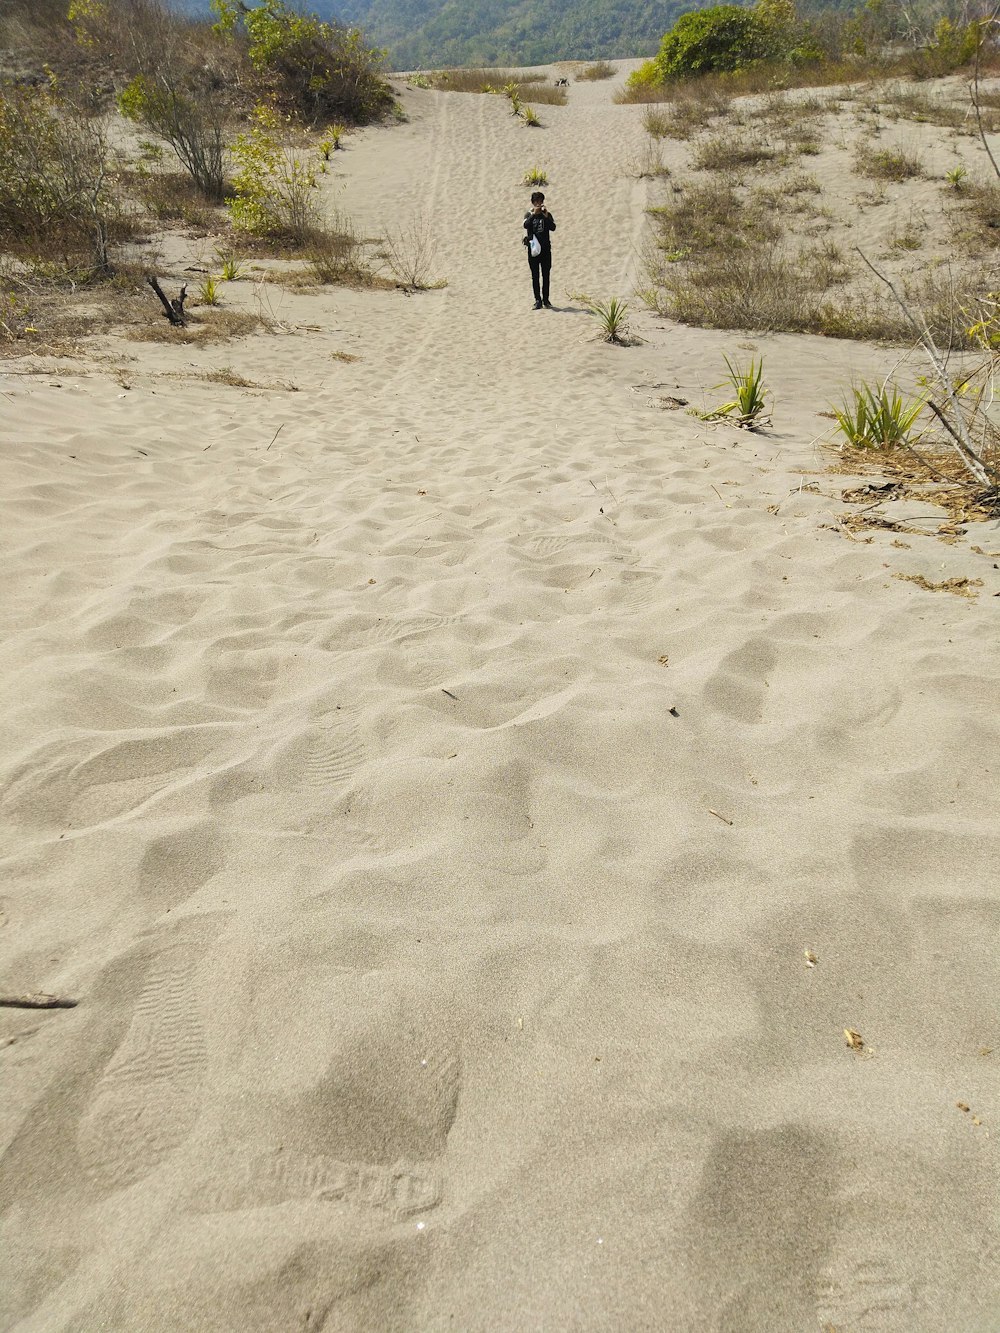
[(542, 265)]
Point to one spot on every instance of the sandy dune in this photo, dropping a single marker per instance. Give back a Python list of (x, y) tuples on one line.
[(429, 782)]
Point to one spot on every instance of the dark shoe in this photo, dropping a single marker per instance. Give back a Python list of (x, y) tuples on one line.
[(547, 305), (538, 305)]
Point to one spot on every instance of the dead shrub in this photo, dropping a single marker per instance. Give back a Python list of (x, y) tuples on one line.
[(335, 255)]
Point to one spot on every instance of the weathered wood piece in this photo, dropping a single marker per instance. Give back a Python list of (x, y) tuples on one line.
[(37, 1001), (173, 307)]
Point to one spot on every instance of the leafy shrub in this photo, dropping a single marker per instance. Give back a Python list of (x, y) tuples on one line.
[(273, 188), (192, 125), (319, 69), (56, 186)]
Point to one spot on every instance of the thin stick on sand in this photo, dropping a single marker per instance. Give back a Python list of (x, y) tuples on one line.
[(37, 1001)]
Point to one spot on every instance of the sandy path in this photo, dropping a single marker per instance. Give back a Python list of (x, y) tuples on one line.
[(422, 985)]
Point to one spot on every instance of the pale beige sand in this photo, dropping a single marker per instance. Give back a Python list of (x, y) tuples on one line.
[(422, 985)]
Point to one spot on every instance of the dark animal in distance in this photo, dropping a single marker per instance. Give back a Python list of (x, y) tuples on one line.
[(562, 83)]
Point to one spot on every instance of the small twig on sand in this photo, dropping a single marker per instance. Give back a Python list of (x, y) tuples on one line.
[(275, 435), (37, 1001), (722, 817)]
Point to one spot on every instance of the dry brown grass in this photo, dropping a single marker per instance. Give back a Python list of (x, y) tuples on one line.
[(208, 326), (977, 219), (172, 196), (730, 152), (600, 69)]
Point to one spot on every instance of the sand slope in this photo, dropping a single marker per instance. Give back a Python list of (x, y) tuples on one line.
[(439, 947)]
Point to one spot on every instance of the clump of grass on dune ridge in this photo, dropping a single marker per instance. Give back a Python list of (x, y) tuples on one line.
[(526, 82)]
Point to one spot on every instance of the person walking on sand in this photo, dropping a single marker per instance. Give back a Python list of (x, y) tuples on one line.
[(538, 222)]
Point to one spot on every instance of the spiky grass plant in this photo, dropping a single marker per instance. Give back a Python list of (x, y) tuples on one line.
[(956, 178), (232, 265), (879, 417), (531, 118), (209, 291), (535, 176), (331, 142), (610, 316), (748, 407)]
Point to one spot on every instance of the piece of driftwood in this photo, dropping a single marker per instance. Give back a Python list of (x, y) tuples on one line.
[(173, 307), (37, 1001)]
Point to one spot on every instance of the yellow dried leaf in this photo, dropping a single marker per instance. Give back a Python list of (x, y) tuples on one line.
[(854, 1039), (810, 957), (962, 1106)]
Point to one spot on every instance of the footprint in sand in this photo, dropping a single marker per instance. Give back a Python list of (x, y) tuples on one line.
[(347, 1101), (147, 1100)]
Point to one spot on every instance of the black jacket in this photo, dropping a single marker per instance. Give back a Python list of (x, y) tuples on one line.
[(539, 224)]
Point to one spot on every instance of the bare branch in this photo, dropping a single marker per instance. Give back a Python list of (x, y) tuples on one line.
[(960, 433)]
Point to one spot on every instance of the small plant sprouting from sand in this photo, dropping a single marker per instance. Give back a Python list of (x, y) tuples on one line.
[(748, 407), (610, 316), (231, 265), (331, 142), (530, 118), (956, 178), (513, 93), (210, 291), (535, 176), (877, 417)]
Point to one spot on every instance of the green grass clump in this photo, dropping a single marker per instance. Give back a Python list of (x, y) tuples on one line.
[(610, 316), (888, 164), (750, 401), (879, 417), (535, 176)]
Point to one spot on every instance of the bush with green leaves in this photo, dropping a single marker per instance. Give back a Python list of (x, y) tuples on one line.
[(319, 69), (725, 38), (193, 126), (273, 188), (57, 194)]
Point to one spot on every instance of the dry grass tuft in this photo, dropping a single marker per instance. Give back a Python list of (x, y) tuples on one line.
[(600, 69), (495, 81), (887, 164), (726, 152)]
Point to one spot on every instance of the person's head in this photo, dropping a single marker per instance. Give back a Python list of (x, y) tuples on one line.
[(537, 201)]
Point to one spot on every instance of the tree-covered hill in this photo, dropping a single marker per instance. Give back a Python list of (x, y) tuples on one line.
[(433, 33)]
